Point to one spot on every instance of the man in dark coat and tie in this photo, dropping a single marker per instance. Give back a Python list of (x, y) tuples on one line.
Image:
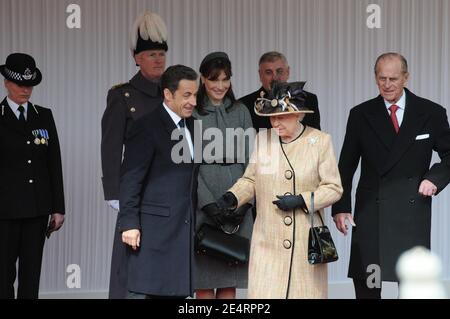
[(273, 66), (125, 104), (158, 192), (31, 180), (394, 136)]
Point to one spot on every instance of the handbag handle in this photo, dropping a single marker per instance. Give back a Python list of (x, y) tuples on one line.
[(311, 213)]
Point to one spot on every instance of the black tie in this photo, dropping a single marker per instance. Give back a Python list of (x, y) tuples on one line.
[(182, 125), (22, 115)]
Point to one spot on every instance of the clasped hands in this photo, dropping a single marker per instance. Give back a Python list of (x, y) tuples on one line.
[(224, 213)]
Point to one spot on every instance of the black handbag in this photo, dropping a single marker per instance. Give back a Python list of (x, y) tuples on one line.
[(229, 247), (321, 248)]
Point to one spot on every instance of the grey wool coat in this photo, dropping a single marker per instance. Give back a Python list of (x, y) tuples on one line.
[(213, 181)]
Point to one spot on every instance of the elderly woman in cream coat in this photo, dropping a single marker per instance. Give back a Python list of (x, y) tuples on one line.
[(288, 163)]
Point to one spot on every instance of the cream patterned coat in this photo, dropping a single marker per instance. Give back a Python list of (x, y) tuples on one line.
[(278, 266)]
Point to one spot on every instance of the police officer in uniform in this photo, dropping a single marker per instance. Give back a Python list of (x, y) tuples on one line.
[(31, 182), (125, 104)]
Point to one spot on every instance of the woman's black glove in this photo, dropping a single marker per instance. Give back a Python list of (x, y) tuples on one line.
[(227, 201), (215, 213), (236, 217), (290, 202)]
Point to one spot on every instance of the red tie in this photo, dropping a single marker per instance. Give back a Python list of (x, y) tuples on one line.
[(394, 109)]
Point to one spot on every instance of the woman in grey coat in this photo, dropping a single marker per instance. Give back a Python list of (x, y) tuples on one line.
[(219, 111)]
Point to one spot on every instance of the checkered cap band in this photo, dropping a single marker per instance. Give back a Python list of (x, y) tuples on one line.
[(19, 77)]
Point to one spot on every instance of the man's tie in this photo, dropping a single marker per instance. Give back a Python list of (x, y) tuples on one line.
[(393, 110), (22, 115), (182, 125)]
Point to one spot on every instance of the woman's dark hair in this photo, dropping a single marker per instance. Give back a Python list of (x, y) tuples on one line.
[(211, 69)]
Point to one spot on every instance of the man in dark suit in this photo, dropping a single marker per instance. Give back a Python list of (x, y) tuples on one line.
[(157, 193), (273, 66), (125, 104), (394, 136), (31, 182)]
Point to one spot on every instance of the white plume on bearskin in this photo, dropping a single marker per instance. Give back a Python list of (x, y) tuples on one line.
[(150, 26)]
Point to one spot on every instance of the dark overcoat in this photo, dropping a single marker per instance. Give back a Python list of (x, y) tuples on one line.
[(126, 103), (157, 196)]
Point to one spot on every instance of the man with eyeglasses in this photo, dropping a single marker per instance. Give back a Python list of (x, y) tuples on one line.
[(273, 66)]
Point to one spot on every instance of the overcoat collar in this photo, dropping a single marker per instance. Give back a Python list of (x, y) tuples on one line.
[(397, 144), (169, 125), (145, 86)]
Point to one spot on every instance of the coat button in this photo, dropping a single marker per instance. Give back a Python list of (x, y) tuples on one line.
[(288, 220), (186, 221), (29, 161), (31, 181), (287, 244), (133, 110), (127, 94), (412, 201), (288, 174), (28, 142)]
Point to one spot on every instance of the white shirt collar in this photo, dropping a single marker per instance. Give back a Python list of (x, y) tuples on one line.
[(175, 117), (15, 107), (400, 103)]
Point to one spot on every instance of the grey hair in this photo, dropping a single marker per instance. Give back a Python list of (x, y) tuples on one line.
[(392, 55), (272, 56)]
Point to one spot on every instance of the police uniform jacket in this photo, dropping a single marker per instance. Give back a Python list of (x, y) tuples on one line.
[(31, 182)]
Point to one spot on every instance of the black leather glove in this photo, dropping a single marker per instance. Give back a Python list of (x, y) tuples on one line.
[(236, 217), (215, 213), (227, 201), (290, 202)]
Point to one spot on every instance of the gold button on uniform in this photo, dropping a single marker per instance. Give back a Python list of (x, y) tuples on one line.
[(288, 174), (288, 220), (287, 244)]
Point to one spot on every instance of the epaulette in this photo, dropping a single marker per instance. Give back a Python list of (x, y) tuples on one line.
[(118, 85)]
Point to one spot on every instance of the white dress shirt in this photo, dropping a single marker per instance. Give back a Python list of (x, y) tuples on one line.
[(176, 119), (401, 108)]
